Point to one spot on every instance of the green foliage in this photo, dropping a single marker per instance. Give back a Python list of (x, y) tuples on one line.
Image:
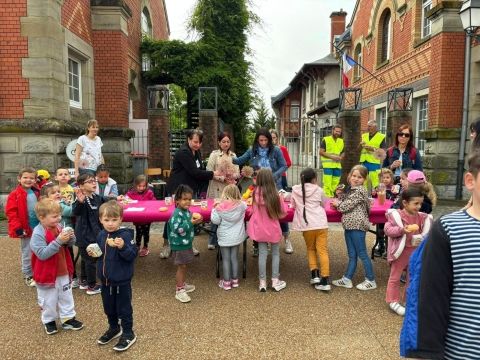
[(178, 106), (216, 59), (262, 117)]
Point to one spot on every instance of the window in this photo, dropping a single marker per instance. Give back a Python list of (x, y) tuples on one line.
[(358, 58), (304, 98), (422, 123), (294, 113), (384, 41), (382, 120), (312, 91), (146, 23), (74, 82), (426, 23)]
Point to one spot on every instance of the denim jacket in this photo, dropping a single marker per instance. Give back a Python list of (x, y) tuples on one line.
[(275, 158)]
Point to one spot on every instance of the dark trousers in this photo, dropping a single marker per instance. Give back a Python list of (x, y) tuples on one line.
[(142, 230), (88, 267), (70, 250), (117, 305)]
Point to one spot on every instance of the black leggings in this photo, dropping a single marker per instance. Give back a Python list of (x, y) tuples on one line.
[(142, 230), (70, 250)]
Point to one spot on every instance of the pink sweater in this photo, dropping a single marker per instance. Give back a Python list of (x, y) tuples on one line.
[(146, 195), (315, 200), (261, 227)]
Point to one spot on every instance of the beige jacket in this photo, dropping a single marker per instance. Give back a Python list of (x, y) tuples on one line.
[(215, 187)]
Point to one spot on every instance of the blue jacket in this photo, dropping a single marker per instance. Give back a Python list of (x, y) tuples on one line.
[(115, 266), (275, 158)]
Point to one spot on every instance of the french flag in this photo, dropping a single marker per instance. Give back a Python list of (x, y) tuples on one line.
[(347, 64)]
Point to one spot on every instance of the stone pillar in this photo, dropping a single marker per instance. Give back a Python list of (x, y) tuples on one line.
[(158, 139), (396, 119), (208, 122), (350, 122)]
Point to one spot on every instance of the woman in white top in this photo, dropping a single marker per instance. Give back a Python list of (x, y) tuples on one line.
[(88, 152)]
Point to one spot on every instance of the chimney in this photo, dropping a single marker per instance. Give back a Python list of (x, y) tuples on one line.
[(337, 26)]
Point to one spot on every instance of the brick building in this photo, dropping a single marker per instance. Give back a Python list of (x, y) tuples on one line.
[(64, 62), (416, 46)]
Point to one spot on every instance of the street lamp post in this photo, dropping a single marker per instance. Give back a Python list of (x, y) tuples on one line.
[(470, 16)]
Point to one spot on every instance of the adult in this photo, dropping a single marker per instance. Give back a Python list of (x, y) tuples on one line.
[(474, 138), (371, 142), (331, 152), (221, 160), (88, 151), (187, 166), (264, 154), (403, 154), (285, 154)]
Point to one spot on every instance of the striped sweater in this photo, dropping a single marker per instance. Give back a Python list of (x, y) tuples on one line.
[(449, 293)]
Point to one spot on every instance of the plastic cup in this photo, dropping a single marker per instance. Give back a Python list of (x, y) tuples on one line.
[(204, 204), (168, 200), (95, 250)]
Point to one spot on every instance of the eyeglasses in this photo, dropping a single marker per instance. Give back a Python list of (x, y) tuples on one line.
[(402, 134), (90, 181)]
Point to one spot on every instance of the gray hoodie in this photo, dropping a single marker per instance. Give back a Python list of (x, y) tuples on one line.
[(229, 216)]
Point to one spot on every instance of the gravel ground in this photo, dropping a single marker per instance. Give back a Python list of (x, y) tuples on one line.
[(298, 322)]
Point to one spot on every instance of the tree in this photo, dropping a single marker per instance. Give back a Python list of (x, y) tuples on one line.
[(178, 106), (262, 118), (217, 59)]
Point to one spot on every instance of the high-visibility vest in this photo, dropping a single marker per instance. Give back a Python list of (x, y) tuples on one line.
[(332, 147), (375, 142)]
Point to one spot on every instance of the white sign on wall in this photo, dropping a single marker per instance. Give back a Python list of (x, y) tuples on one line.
[(71, 150)]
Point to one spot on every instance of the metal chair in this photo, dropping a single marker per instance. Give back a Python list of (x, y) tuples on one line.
[(158, 184)]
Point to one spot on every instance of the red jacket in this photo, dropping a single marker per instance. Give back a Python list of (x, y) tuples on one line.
[(286, 156), (45, 271), (16, 211)]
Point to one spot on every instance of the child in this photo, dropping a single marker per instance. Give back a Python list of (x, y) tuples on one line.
[(140, 191), (310, 217), (20, 212), (229, 215), (106, 186), (43, 178), (180, 236), (87, 227), (115, 269), (51, 191), (416, 179), (62, 177), (445, 324), (264, 227), (355, 207), (53, 268), (405, 229)]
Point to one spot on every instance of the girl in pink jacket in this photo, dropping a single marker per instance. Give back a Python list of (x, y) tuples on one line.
[(264, 226), (310, 217), (406, 228)]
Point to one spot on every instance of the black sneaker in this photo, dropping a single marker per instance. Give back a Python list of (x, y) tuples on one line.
[(378, 252), (324, 284), (109, 335), (315, 279), (125, 342), (51, 327), (72, 324)]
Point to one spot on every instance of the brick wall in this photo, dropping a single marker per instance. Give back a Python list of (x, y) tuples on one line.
[(77, 18), (13, 47)]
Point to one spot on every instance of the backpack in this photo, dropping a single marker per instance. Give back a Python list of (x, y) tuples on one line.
[(409, 332), (412, 153)]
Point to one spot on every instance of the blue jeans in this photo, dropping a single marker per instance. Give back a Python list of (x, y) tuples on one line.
[(356, 248)]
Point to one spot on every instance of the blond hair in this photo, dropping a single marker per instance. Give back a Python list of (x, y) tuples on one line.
[(386, 171), (231, 192), (268, 191), (427, 189), (91, 123), (111, 209), (47, 190), (361, 169), (47, 206)]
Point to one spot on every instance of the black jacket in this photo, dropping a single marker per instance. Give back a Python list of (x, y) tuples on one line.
[(87, 223), (188, 169), (115, 266)]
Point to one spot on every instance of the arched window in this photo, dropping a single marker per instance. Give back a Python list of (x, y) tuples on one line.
[(384, 36), (146, 23), (358, 58)]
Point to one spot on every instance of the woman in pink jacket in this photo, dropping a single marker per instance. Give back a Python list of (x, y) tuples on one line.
[(310, 217), (267, 208)]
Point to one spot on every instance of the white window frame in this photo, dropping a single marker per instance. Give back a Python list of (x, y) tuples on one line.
[(146, 23), (74, 103), (381, 116), (426, 23), (421, 122), (294, 107)]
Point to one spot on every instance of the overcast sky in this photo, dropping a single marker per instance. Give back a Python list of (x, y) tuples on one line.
[(294, 32)]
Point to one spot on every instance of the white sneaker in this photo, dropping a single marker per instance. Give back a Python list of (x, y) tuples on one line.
[(367, 285), (165, 252), (343, 282), (182, 296), (211, 247), (29, 281), (262, 286), (195, 251), (278, 284), (288, 247), (189, 288), (397, 308)]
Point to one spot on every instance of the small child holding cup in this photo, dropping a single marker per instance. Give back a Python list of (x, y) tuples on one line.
[(52, 268)]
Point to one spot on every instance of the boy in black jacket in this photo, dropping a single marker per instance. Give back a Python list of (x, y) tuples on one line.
[(87, 228), (115, 269)]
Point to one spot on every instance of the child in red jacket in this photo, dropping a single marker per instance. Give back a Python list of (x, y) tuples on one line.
[(20, 212)]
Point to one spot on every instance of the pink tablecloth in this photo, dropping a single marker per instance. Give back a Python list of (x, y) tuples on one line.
[(148, 211)]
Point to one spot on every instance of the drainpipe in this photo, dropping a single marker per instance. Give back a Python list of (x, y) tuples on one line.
[(463, 136)]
